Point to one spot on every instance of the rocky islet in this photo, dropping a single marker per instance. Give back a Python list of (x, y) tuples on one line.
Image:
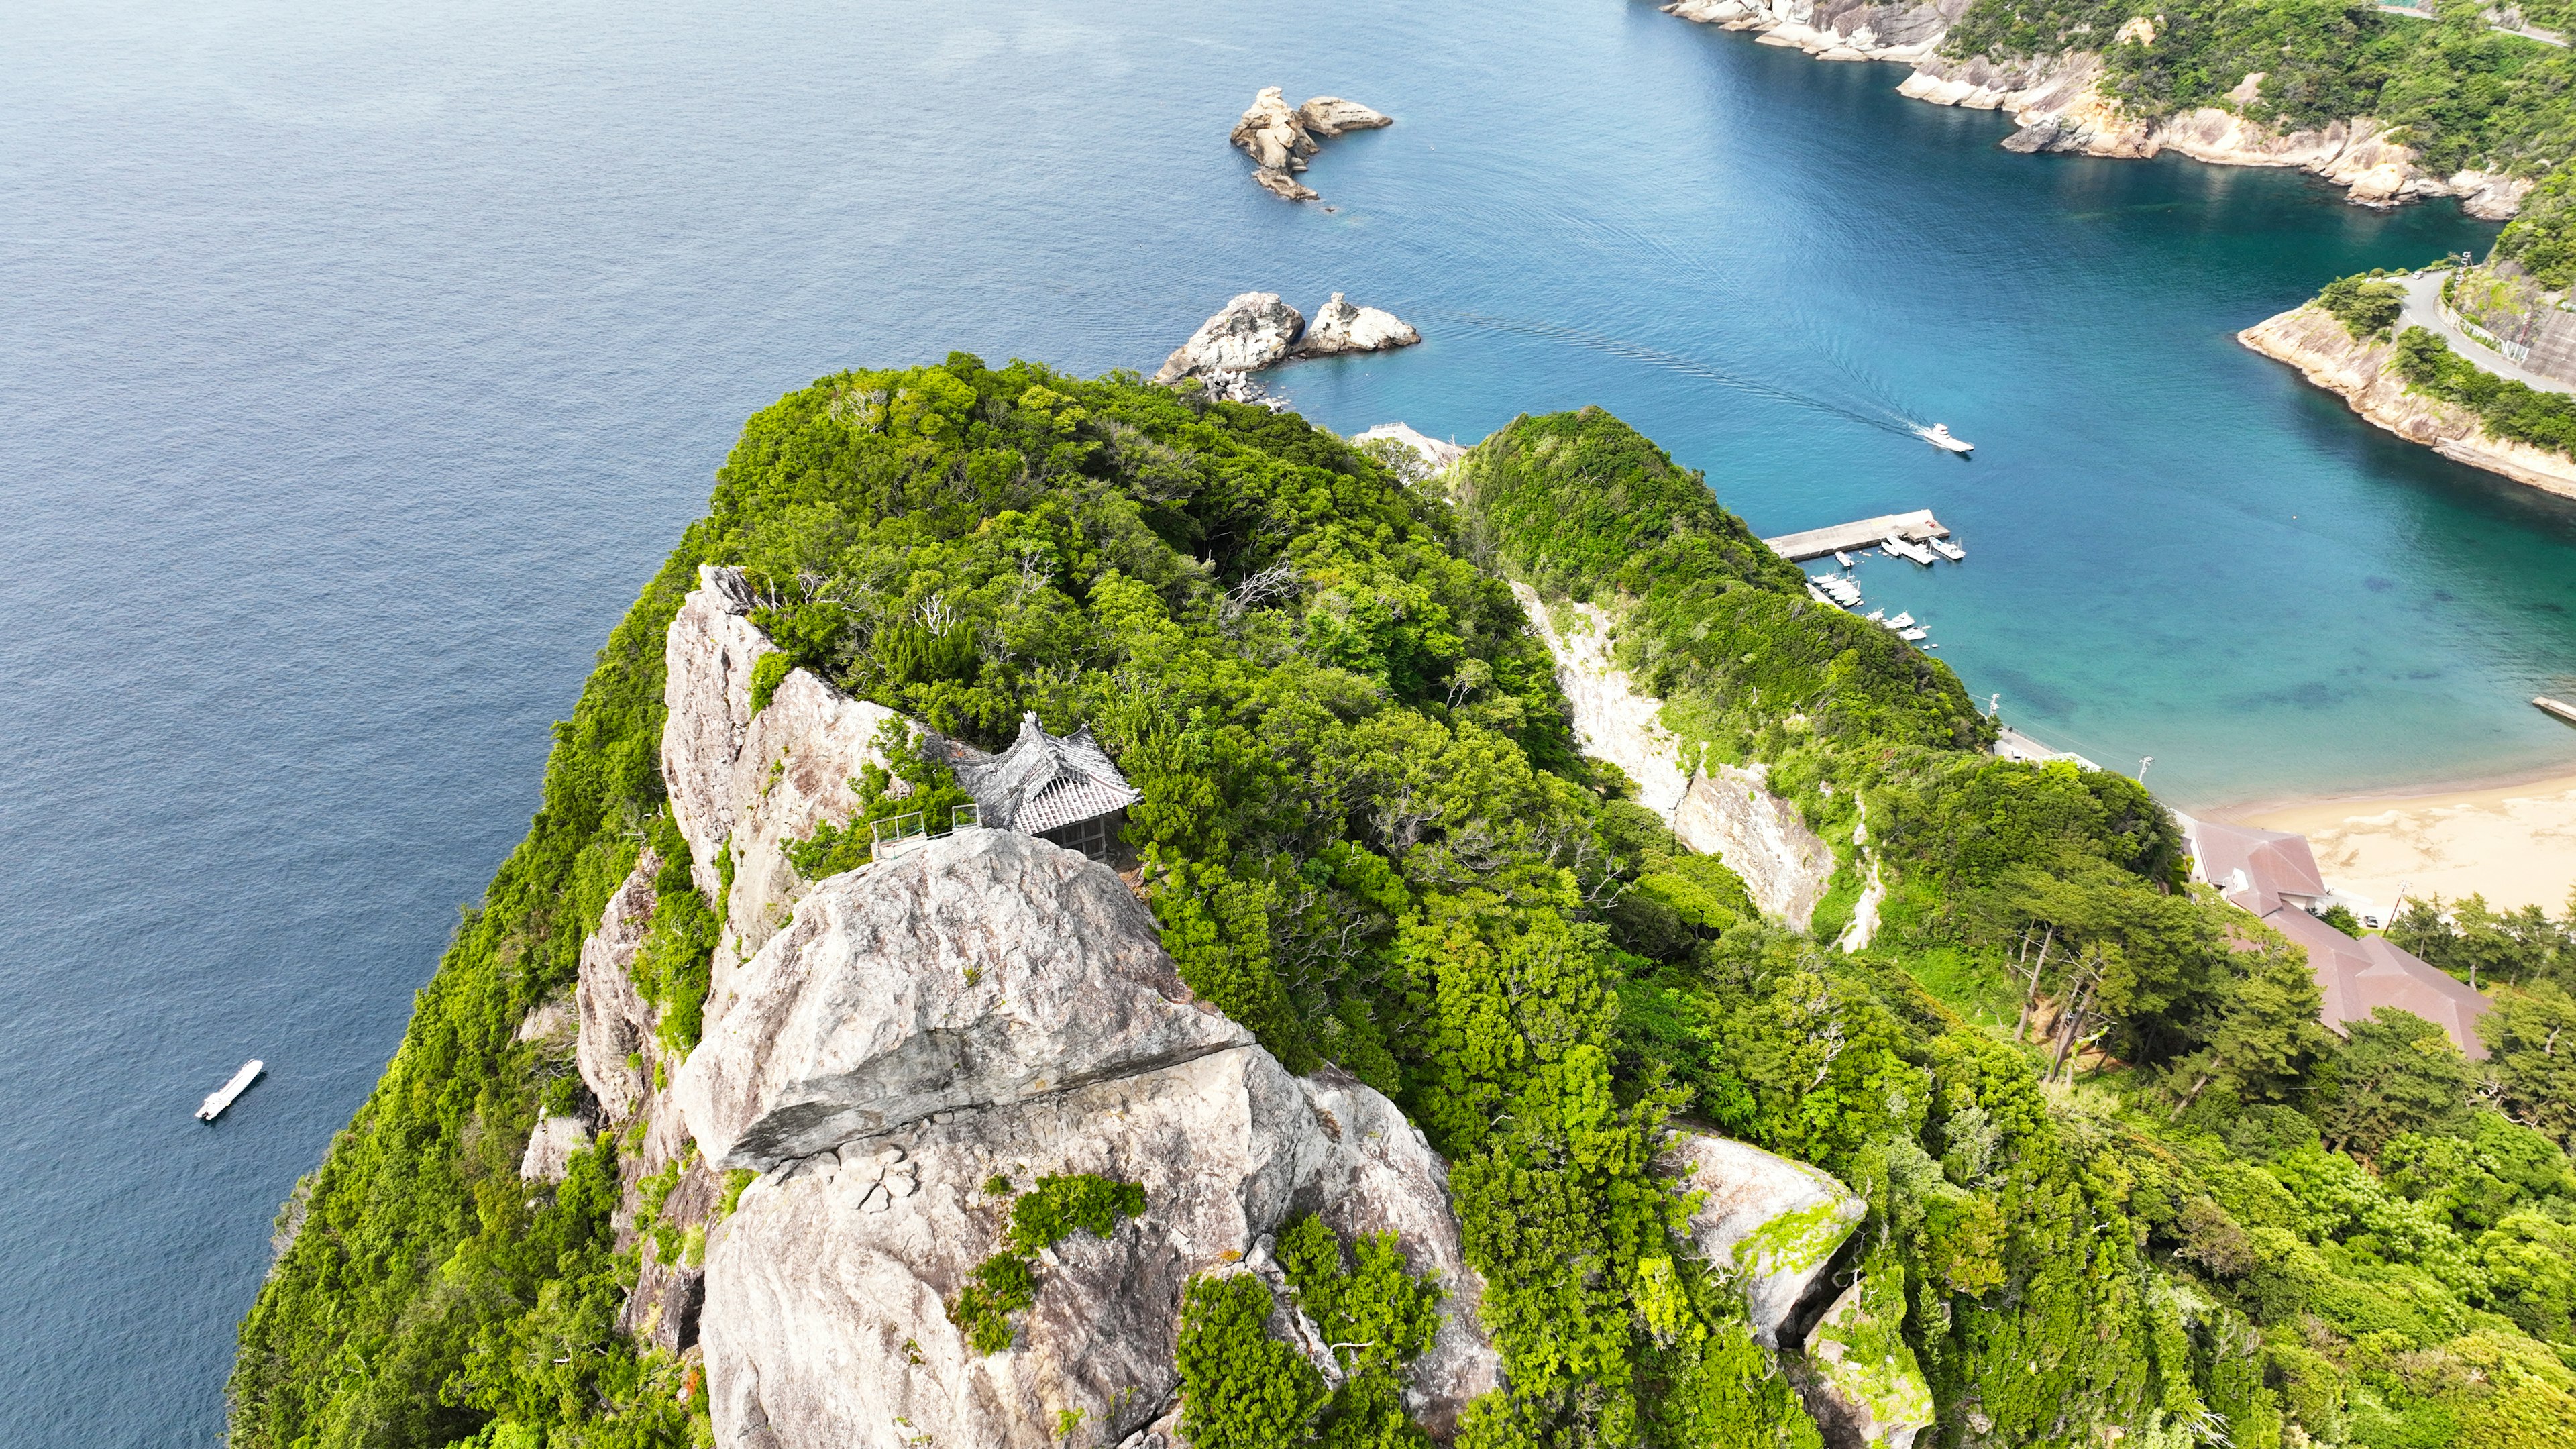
[(1279, 137)]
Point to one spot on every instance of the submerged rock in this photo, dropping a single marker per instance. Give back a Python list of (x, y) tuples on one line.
[(980, 969), (1340, 327), (1248, 333), (1777, 1221)]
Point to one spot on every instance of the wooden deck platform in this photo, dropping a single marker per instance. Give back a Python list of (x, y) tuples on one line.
[(1867, 533)]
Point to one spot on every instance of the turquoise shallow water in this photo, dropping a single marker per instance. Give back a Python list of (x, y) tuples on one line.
[(361, 365)]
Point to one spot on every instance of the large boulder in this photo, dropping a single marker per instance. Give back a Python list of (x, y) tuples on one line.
[(1341, 327), (982, 968), (992, 1005), (1777, 1222), (827, 1292), (1330, 116), (1247, 334)]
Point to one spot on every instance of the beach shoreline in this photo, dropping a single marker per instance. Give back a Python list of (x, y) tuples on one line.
[(2512, 841)]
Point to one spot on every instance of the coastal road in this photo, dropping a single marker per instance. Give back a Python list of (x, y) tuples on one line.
[(2424, 309)]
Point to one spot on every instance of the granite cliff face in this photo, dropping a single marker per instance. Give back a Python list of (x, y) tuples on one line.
[(880, 1045), (2310, 339), (2059, 103), (1727, 811)]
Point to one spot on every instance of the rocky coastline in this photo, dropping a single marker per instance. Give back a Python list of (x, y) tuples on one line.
[(2060, 106), (2311, 339)]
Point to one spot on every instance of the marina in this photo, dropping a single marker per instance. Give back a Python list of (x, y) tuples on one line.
[(1841, 538), (225, 1095)]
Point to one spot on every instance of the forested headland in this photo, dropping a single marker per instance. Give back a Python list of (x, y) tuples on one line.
[(2120, 1181)]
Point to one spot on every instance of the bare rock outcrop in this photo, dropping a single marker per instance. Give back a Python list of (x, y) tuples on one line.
[(1777, 1221), (2310, 339), (1341, 327), (1728, 812), (991, 1004), (1862, 1384), (550, 1148), (616, 1027), (1250, 332), (983, 968), (2060, 105), (749, 783), (1279, 137)]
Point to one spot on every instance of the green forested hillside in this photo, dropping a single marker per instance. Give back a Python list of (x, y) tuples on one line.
[(2220, 1218), (2456, 89), (1368, 838)]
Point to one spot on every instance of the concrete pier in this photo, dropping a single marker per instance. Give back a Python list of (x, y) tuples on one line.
[(1867, 533)]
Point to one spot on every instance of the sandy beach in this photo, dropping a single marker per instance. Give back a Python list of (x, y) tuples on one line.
[(2515, 844)]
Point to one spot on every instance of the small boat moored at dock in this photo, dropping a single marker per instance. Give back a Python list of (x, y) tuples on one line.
[(1946, 549), (1898, 548), (2557, 707), (223, 1096), (1842, 558), (1938, 435)]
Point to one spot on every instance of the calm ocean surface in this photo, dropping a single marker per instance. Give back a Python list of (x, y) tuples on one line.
[(355, 370)]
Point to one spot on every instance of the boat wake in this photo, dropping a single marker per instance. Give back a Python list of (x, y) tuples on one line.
[(1685, 365)]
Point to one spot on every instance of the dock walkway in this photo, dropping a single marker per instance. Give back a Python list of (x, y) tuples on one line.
[(1867, 533)]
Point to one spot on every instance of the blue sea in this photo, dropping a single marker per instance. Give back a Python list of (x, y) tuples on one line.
[(357, 364)]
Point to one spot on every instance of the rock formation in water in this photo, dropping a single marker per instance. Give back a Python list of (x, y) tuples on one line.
[(2312, 340), (881, 1045), (1249, 333), (1727, 810), (1340, 327), (1279, 138), (2061, 106), (1258, 330)]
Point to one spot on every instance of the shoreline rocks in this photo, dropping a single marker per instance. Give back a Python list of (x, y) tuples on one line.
[(1340, 327), (1255, 330), (2059, 103), (2310, 339), (1279, 138)]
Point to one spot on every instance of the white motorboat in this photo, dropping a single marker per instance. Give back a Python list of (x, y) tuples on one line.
[(1912, 635), (1899, 548), (1842, 558), (1900, 623), (1877, 616), (1938, 435), (222, 1097), (1947, 549)]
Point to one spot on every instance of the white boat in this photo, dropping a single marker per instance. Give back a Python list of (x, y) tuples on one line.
[(1842, 558), (1900, 548), (1938, 435), (1820, 596), (1911, 635), (1900, 623), (1947, 549), (1878, 616), (222, 1097)]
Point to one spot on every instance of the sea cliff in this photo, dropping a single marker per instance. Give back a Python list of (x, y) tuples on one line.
[(2358, 370), (2061, 103)]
